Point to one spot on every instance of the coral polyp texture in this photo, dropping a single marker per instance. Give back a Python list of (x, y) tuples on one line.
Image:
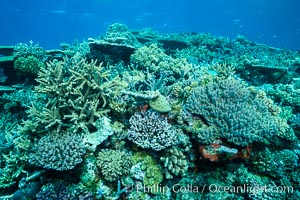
[(135, 114), (232, 112), (29, 64), (113, 164), (58, 151), (151, 130), (175, 163)]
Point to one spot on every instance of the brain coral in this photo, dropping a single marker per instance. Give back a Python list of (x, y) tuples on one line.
[(232, 112), (151, 130), (58, 151)]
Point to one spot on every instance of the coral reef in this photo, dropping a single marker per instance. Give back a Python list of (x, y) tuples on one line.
[(143, 115), (150, 130)]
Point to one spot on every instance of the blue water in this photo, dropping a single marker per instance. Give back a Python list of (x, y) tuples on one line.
[(273, 22)]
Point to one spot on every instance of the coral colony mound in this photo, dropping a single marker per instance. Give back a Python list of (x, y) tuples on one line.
[(135, 114)]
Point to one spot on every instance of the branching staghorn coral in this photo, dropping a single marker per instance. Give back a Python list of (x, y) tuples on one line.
[(13, 151), (77, 95)]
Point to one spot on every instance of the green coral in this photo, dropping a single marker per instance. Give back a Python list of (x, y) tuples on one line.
[(113, 164), (30, 64), (152, 174), (160, 104), (88, 176)]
